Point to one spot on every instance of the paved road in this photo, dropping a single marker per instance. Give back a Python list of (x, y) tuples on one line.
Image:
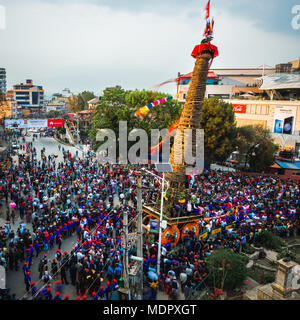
[(51, 146)]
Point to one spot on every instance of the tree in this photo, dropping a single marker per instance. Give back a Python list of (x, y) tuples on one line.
[(117, 105), (227, 270), (219, 127), (256, 147), (86, 96), (75, 103)]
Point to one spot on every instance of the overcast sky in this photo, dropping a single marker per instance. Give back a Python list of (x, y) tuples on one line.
[(92, 44)]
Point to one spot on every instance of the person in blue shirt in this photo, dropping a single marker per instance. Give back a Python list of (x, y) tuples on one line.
[(57, 297), (37, 248), (117, 272), (110, 272)]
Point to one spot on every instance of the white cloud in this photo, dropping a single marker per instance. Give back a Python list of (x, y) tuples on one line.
[(87, 46)]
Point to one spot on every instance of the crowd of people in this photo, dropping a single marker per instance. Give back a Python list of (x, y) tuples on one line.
[(81, 200)]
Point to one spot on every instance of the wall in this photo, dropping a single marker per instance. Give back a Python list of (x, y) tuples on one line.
[(262, 112)]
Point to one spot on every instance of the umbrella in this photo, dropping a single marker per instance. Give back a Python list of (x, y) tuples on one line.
[(12, 205)]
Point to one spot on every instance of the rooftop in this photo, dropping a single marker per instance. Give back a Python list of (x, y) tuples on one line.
[(281, 81), (289, 165)]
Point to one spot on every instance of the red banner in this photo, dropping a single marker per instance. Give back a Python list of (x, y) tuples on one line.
[(55, 123), (239, 108)]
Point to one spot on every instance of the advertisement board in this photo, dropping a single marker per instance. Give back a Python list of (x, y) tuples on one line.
[(154, 226), (215, 231), (239, 108), (33, 123), (203, 236), (284, 120), (54, 123)]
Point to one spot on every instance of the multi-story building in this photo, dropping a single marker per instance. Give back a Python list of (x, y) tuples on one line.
[(3, 81), (226, 83), (29, 96), (9, 109)]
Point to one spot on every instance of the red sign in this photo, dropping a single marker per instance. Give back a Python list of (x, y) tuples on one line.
[(239, 108), (55, 123)]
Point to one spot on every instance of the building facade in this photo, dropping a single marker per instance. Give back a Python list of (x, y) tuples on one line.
[(3, 81), (282, 118), (226, 83), (29, 96), (9, 109)]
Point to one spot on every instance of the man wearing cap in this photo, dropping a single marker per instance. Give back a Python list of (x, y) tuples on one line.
[(37, 248), (57, 297), (27, 281)]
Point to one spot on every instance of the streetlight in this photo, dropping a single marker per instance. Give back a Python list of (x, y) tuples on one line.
[(161, 167)]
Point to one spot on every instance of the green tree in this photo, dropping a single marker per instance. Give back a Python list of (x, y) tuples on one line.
[(270, 240), (219, 127), (256, 147), (227, 270), (117, 105), (86, 96)]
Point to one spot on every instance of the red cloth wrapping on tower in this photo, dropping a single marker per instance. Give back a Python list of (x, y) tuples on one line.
[(205, 46)]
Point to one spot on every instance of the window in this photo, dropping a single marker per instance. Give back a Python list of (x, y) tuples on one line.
[(295, 173)]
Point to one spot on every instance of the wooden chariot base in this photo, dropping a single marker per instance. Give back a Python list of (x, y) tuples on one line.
[(177, 228)]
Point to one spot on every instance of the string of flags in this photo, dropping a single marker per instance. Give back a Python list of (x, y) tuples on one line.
[(142, 112)]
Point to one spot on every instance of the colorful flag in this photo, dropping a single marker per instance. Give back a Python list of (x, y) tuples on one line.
[(142, 112), (207, 10)]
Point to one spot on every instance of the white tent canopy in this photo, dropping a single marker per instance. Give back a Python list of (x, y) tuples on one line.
[(280, 81)]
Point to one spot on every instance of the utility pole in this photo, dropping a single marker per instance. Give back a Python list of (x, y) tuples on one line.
[(125, 255), (140, 233), (160, 225)]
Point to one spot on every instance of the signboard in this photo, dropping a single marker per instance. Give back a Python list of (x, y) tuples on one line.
[(54, 123), (230, 226), (203, 236), (215, 231), (284, 120), (239, 108), (154, 224), (33, 123)]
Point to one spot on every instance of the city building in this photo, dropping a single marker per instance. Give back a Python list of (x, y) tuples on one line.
[(92, 103), (81, 119), (55, 105), (282, 118), (29, 96), (226, 83), (249, 83), (3, 81), (8, 109)]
